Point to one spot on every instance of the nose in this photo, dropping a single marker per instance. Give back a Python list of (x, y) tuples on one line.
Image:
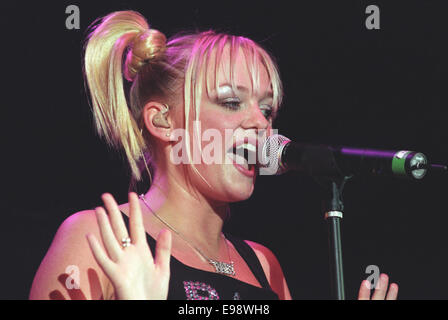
[(255, 119)]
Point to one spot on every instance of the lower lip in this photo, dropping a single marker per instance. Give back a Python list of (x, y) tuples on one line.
[(248, 173)]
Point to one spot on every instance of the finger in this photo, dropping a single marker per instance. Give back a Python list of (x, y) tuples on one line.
[(381, 287), (115, 217), (138, 233), (100, 256), (364, 291), (393, 292), (163, 251), (109, 240)]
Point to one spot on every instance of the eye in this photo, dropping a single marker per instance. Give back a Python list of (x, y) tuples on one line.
[(231, 103), (268, 111)]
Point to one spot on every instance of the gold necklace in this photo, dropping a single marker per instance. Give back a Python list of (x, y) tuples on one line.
[(220, 266)]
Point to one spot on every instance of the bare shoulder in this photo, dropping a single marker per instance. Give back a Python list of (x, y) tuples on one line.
[(272, 269), (77, 223), (71, 234), (69, 270)]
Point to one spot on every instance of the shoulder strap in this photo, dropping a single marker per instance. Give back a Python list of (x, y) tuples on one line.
[(249, 255)]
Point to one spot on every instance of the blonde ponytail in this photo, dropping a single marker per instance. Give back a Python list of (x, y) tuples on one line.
[(103, 67)]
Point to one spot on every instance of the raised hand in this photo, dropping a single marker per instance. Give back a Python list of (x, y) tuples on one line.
[(380, 292), (132, 270)]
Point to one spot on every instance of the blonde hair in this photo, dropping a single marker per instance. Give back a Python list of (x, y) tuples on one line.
[(157, 70)]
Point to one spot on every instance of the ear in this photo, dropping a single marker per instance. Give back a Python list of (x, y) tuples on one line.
[(157, 120)]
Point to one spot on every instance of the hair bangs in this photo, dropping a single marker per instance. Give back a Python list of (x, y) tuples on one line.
[(222, 47)]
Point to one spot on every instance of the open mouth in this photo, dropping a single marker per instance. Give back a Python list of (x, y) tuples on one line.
[(244, 157)]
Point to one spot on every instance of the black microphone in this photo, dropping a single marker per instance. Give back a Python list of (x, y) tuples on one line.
[(279, 154)]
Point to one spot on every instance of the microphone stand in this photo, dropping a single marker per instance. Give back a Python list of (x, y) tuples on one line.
[(333, 207), (321, 163)]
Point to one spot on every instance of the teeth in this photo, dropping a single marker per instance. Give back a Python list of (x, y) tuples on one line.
[(246, 146), (249, 147)]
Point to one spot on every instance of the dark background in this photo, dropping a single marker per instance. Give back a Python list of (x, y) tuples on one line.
[(344, 84)]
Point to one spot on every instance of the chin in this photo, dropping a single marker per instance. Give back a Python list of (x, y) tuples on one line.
[(238, 187), (229, 185), (241, 197), (231, 191), (239, 192)]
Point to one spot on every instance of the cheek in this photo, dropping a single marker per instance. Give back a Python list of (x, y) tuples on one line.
[(220, 120), (217, 130)]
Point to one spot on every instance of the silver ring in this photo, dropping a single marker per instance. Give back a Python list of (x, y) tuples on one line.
[(125, 242)]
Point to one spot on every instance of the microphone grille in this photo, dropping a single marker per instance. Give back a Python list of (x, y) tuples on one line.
[(271, 153)]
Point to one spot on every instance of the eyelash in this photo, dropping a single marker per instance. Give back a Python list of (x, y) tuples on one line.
[(234, 105), (231, 104)]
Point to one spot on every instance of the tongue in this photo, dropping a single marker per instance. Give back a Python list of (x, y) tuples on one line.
[(241, 161)]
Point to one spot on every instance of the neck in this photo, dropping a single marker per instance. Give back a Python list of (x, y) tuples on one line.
[(189, 213)]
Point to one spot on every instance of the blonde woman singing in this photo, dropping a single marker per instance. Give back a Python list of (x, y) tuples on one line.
[(168, 243)]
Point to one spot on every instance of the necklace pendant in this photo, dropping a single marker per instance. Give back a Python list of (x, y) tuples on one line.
[(223, 267)]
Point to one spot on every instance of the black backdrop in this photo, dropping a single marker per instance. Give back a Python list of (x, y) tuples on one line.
[(344, 84)]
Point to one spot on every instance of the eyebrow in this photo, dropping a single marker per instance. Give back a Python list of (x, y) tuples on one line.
[(269, 94)]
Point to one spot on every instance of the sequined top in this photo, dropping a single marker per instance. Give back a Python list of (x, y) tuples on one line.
[(188, 283)]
